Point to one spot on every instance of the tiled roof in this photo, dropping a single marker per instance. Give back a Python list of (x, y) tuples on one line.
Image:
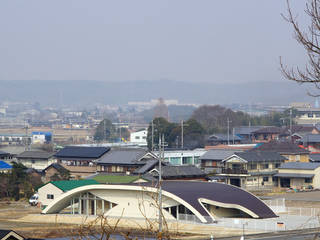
[(269, 130), (300, 165), (217, 154), (246, 130), (281, 147), (35, 154), (261, 156), (223, 137), (181, 171), (4, 153), (67, 185), (315, 157), (294, 175), (82, 152), (311, 138), (125, 156), (57, 166)]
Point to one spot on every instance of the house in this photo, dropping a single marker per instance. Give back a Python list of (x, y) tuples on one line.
[(185, 173), (310, 142), (117, 179), (251, 170), (211, 161), (218, 138), (314, 157), (204, 201), (10, 235), (307, 115), (139, 137), (4, 156), (298, 131), (289, 150), (124, 160), (55, 172), (268, 134), (5, 167), (80, 161), (246, 132), (52, 190), (38, 160), (299, 175), (182, 157)]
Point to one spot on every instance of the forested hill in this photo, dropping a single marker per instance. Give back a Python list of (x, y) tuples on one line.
[(89, 92)]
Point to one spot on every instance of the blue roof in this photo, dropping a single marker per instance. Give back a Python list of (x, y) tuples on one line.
[(4, 165)]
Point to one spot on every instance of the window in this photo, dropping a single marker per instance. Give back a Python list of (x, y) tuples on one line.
[(137, 137), (144, 137), (297, 158), (113, 169), (50, 196), (119, 169), (33, 161), (310, 115), (277, 165), (252, 166), (308, 180), (265, 166), (317, 115), (266, 179)]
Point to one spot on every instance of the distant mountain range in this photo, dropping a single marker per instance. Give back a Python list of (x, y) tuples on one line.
[(80, 93)]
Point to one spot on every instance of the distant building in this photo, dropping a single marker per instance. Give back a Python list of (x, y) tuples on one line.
[(139, 138), (38, 160), (183, 157), (161, 110), (41, 137), (308, 115)]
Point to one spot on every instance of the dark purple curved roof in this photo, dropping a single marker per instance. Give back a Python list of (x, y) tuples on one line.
[(191, 191)]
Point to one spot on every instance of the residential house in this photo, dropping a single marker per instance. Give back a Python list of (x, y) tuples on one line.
[(310, 142), (298, 131), (52, 190), (185, 173), (211, 161), (80, 161), (55, 172), (252, 169), (124, 160), (38, 160), (246, 132), (291, 151), (299, 175), (183, 157), (225, 139), (139, 137), (5, 156), (307, 115), (268, 134)]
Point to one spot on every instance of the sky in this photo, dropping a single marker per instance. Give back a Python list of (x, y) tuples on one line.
[(124, 40)]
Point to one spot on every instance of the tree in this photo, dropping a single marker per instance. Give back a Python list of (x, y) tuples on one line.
[(105, 131), (309, 40)]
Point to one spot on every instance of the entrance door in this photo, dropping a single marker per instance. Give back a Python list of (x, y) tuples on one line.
[(285, 182), (235, 182)]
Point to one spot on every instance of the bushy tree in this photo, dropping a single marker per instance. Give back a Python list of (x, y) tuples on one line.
[(105, 131)]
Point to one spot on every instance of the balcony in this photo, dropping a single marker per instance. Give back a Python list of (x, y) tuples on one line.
[(234, 171)]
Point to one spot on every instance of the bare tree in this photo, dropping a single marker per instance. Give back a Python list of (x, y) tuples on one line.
[(309, 39)]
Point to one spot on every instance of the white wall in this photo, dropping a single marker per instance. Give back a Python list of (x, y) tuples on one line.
[(48, 189)]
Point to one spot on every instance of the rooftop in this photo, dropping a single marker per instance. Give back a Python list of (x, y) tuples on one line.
[(67, 185), (35, 154), (300, 165), (281, 147), (82, 152), (4, 165), (217, 154), (101, 178), (261, 156)]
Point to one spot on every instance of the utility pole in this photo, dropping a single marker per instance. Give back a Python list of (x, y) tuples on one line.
[(290, 124), (181, 134), (152, 135), (228, 121), (161, 155), (233, 136)]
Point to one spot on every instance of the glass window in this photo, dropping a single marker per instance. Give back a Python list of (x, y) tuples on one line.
[(308, 180), (186, 160), (310, 115), (266, 179), (50, 196), (196, 160), (175, 161)]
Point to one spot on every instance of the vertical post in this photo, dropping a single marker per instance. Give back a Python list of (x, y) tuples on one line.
[(290, 124), (152, 135), (233, 136), (161, 144), (181, 134)]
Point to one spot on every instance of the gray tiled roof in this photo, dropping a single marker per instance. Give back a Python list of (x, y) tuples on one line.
[(217, 154), (300, 165), (293, 175), (311, 138), (315, 157), (246, 130), (35, 155), (261, 156), (270, 130), (281, 147), (148, 165), (81, 152), (125, 156), (223, 137), (181, 171)]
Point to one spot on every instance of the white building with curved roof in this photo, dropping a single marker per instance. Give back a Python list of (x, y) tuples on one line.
[(205, 201)]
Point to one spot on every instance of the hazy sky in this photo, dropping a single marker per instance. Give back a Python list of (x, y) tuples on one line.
[(206, 40)]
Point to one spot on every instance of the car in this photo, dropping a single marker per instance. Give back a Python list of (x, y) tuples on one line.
[(33, 201)]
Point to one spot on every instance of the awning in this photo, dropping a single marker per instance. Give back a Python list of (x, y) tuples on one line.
[(293, 175)]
